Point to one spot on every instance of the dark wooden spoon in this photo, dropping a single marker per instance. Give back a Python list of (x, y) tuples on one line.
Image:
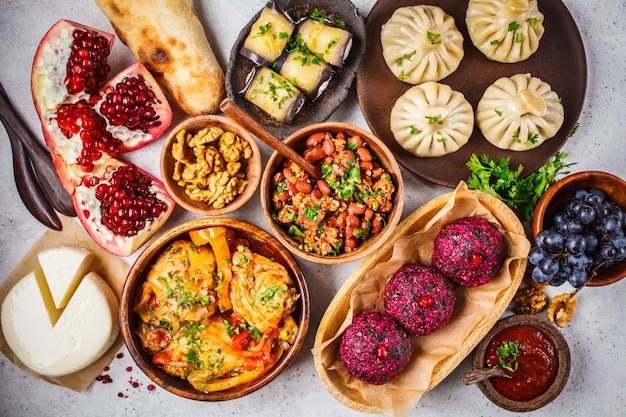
[(29, 189), (42, 162), (231, 109), (478, 375)]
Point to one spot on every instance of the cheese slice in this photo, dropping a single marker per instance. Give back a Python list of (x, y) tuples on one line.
[(64, 267), (87, 328)]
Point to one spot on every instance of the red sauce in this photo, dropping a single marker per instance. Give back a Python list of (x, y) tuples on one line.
[(538, 363)]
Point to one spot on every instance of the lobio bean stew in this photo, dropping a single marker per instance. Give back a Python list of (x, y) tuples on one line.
[(349, 204)]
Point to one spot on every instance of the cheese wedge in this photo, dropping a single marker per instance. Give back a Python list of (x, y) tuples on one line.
[(87, 328), (64, 267)]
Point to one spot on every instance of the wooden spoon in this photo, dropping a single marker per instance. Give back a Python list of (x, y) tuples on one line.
[(231, 109), (28, 188), (478, 375), (41, 161)]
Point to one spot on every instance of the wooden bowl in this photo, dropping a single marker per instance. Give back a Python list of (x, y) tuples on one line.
[(297, 141), (341, 305), (252, 166), (261, 242), (561, 192), (550, 332)]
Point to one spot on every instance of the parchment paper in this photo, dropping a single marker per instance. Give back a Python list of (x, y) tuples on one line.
[(399, 396), (112, 269)]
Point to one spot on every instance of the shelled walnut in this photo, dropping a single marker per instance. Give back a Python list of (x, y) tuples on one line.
[(561, 309), (209, 165), (530, 300)]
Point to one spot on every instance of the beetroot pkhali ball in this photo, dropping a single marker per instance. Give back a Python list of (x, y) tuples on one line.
[(374, 348), (469, 251), (420, 298)]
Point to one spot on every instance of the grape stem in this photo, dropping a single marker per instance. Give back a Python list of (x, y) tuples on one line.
[(593, 274)]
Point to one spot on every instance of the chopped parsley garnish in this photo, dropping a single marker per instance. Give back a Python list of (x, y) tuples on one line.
[(279, 91), (533, 22), (434, 119), (434, 38), (312, 212), (531, 140), (508, 354), (408, 57), (269, 294), (263, 29), (345, 185)]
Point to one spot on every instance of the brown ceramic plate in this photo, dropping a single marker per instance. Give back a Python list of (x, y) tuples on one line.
[(312, 112), (562, 374), (559, 61)]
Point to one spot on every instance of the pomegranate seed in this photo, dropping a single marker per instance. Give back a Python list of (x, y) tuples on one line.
[(87, 65), (476, 258), (80, 118), (131, 104), (123, 199), (382, 352), (425, 301)]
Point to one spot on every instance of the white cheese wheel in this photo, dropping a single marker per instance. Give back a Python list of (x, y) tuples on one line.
[(86, 329), (64, 267)]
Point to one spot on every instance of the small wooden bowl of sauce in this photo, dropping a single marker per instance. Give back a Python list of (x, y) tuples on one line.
[(541, 369)]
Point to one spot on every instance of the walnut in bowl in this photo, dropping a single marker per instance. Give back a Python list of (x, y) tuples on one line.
[(210, 165)]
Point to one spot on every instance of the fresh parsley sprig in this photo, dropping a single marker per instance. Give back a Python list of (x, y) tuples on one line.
[(508, 354), (520, 194)]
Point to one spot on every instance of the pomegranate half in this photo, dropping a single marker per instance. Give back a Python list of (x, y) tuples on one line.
[(88, 121)]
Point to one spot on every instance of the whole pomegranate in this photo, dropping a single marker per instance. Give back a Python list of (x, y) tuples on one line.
[(88, 121)]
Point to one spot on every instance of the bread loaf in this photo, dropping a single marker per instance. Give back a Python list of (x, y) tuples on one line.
[(169, 39)]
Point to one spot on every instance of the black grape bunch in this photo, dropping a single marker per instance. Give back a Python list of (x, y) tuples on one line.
[(587, 234)]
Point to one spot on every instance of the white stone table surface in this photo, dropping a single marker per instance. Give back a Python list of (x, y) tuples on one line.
[(596, 336)]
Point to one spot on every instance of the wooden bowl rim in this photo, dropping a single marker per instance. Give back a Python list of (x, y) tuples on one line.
[(599, 179), (381, 153), (563, 355), (254, 166), (135, 277)]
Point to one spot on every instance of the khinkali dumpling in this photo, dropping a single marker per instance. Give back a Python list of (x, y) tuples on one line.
[(431, 119), (505, 30), (519, 112), (421, 43)]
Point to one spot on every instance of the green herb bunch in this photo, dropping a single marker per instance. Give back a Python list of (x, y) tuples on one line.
[(521, 194)]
